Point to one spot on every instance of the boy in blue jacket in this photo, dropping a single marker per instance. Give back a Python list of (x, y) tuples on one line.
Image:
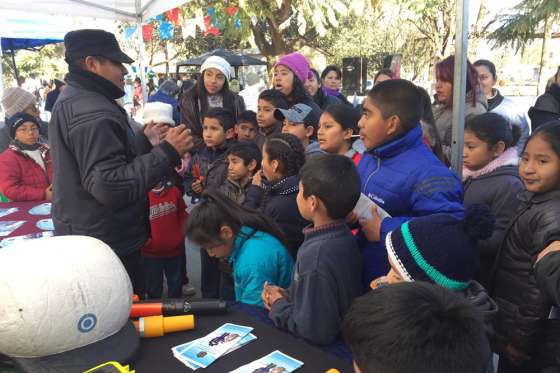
[(398, 172)]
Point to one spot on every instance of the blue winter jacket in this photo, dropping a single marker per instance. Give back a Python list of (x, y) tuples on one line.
[(405, 179), (258, 257)]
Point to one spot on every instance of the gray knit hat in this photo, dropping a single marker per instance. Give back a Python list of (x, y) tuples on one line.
[(16, 99)]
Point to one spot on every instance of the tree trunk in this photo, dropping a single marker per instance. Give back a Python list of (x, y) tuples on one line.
[(477, 31), (545, 53)]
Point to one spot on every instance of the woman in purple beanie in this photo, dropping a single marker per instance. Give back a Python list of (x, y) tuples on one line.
[(290, 74)]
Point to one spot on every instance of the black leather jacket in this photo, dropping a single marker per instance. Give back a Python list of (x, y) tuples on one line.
[(100, 183)]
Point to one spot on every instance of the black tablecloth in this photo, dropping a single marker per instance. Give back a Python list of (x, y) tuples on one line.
[(155, 354)]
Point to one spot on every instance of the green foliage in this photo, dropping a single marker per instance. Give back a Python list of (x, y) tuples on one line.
[(521, 25), (44, 62)]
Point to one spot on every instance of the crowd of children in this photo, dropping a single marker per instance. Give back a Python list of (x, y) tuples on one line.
[(440, 273)]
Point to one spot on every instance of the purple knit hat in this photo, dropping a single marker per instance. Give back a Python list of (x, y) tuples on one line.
[(297, 63)]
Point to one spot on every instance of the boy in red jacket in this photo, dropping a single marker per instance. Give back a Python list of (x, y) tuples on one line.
[(162, 253)]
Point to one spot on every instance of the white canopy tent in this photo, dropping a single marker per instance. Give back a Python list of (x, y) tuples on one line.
[(125, 10)]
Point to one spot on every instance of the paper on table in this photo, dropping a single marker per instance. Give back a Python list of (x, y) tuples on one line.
[(275, 362), (5, 212), (176, 350), (42, 209), (206, 350), (7, 227), (11, 240), (364, 206)]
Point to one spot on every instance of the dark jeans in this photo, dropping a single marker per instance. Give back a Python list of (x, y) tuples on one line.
[(209, 276), (155, 267), (213, 282), (133, 265)]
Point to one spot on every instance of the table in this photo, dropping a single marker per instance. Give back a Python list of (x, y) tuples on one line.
[(30, 225), (155, 353)]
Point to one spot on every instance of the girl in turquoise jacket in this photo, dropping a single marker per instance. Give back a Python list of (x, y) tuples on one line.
[(249, 241)]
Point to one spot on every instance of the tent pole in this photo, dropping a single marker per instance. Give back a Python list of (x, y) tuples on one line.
[(1, 72), (459, 84), (141, 50), (14, 62)]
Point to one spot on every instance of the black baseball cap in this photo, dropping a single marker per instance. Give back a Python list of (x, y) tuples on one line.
[(89, 42)]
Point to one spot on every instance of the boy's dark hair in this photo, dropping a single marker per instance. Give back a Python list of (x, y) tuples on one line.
[(246, 150), (489, 65), (248, 116), (288, 151), (216, 210), (275, 97), (492, 128), (398, 97), (333, 179), (416, 327), (223, 116)]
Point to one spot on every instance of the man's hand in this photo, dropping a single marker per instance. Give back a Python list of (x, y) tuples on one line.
[(155, 132), (180, 139), (372, 227), (197, 186), (554, 246), (48, 193)]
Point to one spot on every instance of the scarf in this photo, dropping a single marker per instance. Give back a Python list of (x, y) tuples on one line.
[(330, 92), (495, 101), (508, 158), (21, 146), (94, 82)]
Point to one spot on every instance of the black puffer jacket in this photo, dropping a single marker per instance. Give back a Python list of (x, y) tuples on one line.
[(548, 279), (191, 111), (523, 308), (498, 190), (278, 201), (100, 183), (547, 107)]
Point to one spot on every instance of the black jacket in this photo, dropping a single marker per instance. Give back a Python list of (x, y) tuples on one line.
[(498, 190), (278, 201), (523, 308), (548, 279), (100, 183), (547, 107)]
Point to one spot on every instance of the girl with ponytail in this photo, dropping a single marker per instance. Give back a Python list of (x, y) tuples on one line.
[(274, 190), (249, 241)]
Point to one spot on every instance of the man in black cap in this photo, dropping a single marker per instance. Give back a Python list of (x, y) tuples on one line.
[(101, 183)]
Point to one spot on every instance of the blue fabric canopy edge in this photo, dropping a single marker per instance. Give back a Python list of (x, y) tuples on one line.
[(14, 44)]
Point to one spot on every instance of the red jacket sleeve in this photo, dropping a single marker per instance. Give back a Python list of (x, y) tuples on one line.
[(12, 180)]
